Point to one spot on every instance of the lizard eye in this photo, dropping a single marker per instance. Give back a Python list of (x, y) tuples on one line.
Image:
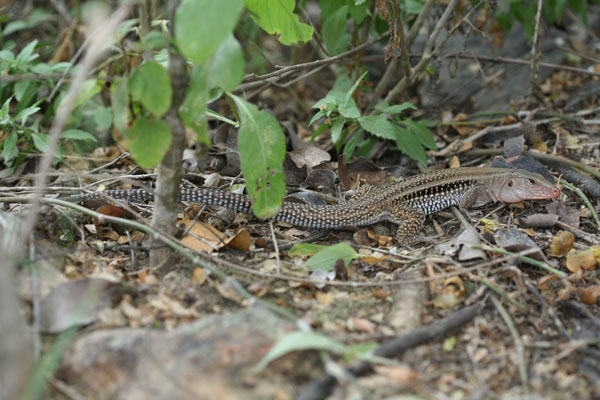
[(510, 183), (531, 181)]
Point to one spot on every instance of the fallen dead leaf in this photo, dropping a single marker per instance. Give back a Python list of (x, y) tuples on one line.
[(241, 240), (202, 236), (361, 325), (562, 243), (199, 275), (589, 295), (324, 298), (398, 374), (585, 259)]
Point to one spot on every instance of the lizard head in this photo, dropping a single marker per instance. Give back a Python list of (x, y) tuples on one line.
[(524, 185)]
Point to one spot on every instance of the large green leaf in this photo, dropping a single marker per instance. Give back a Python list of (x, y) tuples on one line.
[(277, 16), (201, 26), (9, 148), (335, 37), (227, 65), (148, 141), (325, 259), (193, 108), (150, 84), (379, 126), (262, 150), (410, 145)]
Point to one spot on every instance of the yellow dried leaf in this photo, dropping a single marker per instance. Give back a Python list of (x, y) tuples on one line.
[(562, 243), (324, 298), (585, 259), (199, 275)]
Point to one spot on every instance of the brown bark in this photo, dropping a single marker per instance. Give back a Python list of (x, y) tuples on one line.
[(169, 172)]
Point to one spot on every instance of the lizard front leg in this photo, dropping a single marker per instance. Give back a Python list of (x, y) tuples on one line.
[(477, 196), (409, 220)]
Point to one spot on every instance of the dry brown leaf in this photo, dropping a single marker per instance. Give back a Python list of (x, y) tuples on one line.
[(202, 236), (382, 240), (589, 295), (398, 374), (361, 325), (462, 130), (562, 243), (324, 298), (585, 259), (381, 294), (199, 275), (241, 240), (454, 162)]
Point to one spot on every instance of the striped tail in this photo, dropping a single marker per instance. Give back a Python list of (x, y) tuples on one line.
[(234, 201)]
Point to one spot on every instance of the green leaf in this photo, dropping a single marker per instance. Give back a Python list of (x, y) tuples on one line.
[(103, 117), (422, 132), (40, 141), (413, 6), (335, 37), (78, 134), (350, 145), (349, 110), (300, 340), (449, 343), (398, 108), (26, 55), (201, 26), (119, 98), (150, 85), (319, 114), (20, 88), (379, 126), (193, 108), (336, 129), (326, 258), (154, 40), (410, 145), (9, 148), (89, 89), (278, 17), (227, 65), (354, 87), (305, 249), (262, 150), (26, 113), (333, 97), (7, 56), (148, 141)]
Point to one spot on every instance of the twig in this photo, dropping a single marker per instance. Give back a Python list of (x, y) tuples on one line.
[(557, 322), (529, 260), (536, 54), (275, 246), (312, 64), (396, 347), (514, 332), (507, 60), (585, 199), (427, 54)]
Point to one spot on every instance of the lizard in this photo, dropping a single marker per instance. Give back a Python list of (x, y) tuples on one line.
[(405, 202)]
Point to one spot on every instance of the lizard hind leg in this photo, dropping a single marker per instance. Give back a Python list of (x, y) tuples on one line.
[(409, 220)]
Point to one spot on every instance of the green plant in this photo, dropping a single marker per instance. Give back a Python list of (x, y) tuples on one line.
[(20, 120), (346, 123)]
